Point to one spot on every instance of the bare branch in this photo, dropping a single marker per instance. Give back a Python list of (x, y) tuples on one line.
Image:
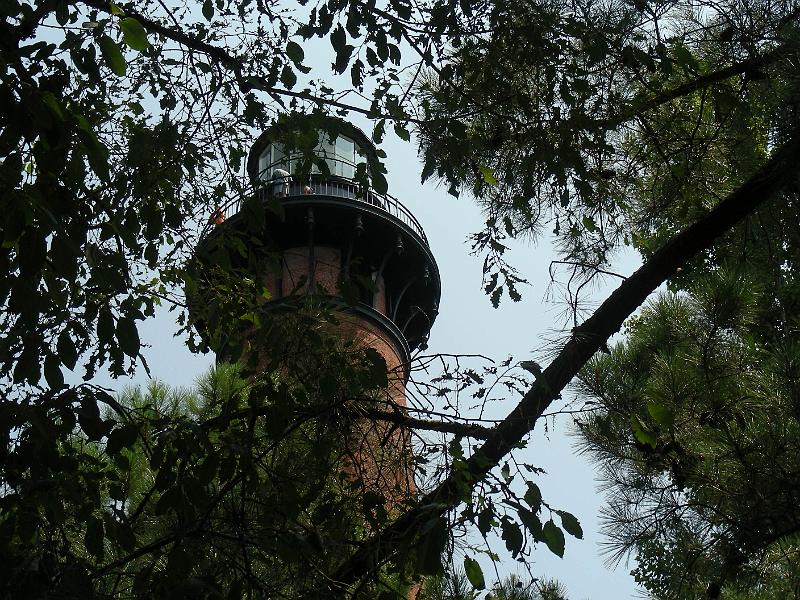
[(461, 429)]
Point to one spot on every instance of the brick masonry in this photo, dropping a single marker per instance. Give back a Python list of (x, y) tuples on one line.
[(379, 453)]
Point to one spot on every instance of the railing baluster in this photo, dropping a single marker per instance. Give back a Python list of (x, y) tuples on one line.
[(338, 189)]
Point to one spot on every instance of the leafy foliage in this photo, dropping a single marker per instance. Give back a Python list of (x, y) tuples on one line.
[(454, 586), (591, 118), (123, 126), (171, 481)]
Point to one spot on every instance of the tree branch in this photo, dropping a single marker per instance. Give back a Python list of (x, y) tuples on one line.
[(461, 429), (634, 109), (174, 34), (471, 430), (776, 175), (225, 59)]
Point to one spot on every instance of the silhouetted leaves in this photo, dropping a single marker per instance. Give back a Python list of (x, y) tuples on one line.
[(134, 34), (554, 538), (474, 573)]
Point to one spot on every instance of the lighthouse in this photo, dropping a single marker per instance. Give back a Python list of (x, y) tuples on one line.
[(321, 225)]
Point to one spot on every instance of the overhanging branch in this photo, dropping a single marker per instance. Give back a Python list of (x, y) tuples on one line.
[(466, 430), (775, 176), (634, 109), (233, 64)]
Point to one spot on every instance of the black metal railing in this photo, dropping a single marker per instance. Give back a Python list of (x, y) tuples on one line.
[(335, 187)]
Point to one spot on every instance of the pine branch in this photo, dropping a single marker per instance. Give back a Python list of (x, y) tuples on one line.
[(635, 109)]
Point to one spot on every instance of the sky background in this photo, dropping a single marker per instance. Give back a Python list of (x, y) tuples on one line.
[(468, 324)]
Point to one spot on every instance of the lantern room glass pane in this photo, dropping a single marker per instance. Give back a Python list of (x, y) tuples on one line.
[(345, 155), (341, 154), (327, 148), (264, 161), (345, 149), (278, 156), (270, 159)]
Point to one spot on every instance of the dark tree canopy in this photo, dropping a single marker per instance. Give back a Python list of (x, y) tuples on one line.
[(670, 127)]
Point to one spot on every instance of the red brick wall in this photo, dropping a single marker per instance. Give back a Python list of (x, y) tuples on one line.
[(327, 264), (379, 443)]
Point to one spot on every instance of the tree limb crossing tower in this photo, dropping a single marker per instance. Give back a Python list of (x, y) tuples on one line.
[(337, 234)]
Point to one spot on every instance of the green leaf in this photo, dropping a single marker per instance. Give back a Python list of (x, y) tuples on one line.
[(93, 427), (128, 336), (488, 175), (105, 326), (117, 11), (96, 152), (179, 561), (343, 58), (208, 10), (357, 73), (376, 370), (288, 77), (474, 573), (122, 533), (571, 524), (379, 183), (134, 34), (113, 56), (27, 367), (53, 104), (171, 499), (121, 437), (531, 522), (589, 224), (295, 52), (554, 538), (94, 536), (67, 351), (485, 518), (117, 492), (52, 372), (62, 13), (533, 496), (684, 57), (402, 132), (32, 251), (642, 434), (195, 492), (378, 131), (512, 535), (338, 39), (431, 545), (207, 470), (532, 367), (661, 414)]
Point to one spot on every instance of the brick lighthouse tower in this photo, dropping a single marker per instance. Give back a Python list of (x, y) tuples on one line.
[(329, 231)]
